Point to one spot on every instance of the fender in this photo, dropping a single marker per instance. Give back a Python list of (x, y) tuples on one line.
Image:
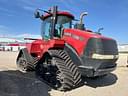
[(73, 54), (26, 55)]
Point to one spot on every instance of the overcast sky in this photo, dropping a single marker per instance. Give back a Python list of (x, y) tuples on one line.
[(16, 16)]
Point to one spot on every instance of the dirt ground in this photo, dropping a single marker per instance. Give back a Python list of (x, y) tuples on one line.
[(114, 84)]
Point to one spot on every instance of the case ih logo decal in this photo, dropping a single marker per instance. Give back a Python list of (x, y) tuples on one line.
[(74, 36)]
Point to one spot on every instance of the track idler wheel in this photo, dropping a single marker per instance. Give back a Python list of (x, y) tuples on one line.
[(22, 65)]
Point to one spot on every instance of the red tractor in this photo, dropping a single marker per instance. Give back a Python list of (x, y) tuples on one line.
[(66, 51)]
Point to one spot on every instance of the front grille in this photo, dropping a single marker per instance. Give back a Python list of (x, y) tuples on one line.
[(101, 46), (109, 46)]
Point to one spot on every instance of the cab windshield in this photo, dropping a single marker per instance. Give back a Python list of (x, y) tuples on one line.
[(63, 22)]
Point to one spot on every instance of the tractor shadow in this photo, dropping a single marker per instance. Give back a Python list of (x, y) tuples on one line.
[(107, 80), (15, 83)]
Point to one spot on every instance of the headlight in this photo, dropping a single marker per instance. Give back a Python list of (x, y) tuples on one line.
[(100, 56)]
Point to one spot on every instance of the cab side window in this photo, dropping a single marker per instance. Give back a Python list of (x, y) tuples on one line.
[(46, 28)]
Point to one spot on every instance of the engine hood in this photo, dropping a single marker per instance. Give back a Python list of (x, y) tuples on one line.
[(85, 34)]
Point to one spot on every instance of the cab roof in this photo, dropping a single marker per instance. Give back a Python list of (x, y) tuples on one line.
[(64, 13)]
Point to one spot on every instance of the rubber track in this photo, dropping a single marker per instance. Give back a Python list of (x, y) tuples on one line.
[(66, 65)]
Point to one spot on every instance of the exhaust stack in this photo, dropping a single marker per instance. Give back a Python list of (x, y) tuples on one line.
[(81, 17), (80, 25)]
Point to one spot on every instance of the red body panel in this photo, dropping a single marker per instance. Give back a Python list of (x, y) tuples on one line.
[(39, 47), (78, 39)]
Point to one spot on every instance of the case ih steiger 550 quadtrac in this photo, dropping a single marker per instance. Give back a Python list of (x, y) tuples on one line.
[(66, 51)]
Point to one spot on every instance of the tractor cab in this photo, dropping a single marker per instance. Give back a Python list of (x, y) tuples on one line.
[(54, 22), (63, 21)]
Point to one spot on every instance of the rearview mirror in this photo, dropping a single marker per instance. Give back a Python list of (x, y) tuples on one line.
[(37, 14)]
